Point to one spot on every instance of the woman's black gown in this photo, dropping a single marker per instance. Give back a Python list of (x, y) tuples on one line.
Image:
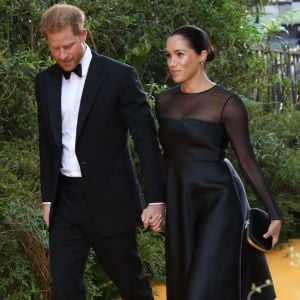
[(207, 258)]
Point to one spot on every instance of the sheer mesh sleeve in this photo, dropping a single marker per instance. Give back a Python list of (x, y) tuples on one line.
[(235, 119)]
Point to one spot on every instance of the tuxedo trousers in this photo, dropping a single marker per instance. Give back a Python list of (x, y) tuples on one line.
[(72, 235)]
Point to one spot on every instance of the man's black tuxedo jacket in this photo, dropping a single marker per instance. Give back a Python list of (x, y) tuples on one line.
[(112, 102)]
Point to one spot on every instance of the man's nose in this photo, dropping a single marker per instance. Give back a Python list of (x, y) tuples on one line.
[(63, 54)]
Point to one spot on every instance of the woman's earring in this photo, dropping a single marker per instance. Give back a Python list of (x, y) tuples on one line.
[(201, 62)]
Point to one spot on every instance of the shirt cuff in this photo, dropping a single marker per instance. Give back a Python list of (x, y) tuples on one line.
[(46, 202), (156, 203)]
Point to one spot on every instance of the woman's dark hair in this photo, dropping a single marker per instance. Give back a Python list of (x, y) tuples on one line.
[(197, 39)]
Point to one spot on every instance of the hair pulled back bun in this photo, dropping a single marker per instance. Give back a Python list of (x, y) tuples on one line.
[(197, 39)]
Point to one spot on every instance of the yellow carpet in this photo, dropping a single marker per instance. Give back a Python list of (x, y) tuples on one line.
[(285, 269)]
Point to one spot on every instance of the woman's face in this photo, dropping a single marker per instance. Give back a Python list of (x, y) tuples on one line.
[(183, 62)]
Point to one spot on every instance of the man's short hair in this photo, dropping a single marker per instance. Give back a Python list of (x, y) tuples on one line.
[(59, 16)]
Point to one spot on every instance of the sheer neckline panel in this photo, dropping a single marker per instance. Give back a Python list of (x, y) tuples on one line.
[(206, 106), (198, 93)]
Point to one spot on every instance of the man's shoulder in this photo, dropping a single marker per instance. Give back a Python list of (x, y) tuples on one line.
[(51, 70), (111, 63)]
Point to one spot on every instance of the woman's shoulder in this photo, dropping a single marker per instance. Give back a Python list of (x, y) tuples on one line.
[(227, 92), (227, 95)]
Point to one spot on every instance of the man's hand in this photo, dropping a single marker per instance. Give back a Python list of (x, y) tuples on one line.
[(154, 216), (46, 213)]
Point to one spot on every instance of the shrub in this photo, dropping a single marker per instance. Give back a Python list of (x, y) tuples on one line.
[(23, 243), (276, 140)]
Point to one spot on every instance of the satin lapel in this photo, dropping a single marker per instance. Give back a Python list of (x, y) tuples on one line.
[(93, 84), (54, 105)]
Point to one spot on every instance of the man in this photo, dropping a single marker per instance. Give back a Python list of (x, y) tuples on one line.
[(89, 187)]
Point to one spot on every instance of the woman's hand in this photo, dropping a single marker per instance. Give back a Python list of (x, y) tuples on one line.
[(274, 231)]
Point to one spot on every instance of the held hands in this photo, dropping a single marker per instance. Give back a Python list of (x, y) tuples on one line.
[(274, 231), (153, 216)]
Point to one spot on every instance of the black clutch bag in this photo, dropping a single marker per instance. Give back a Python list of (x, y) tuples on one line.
[(256, 226)]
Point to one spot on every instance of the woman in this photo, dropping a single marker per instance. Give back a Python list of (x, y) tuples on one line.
[(207, 257)]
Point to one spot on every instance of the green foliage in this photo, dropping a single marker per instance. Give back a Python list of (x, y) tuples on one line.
[(152, 251), (18, 65), (232, 34), (23, 261), (99, 286), (20, 257), (258, 289), (136, 34), (17, 107), (276, 140)]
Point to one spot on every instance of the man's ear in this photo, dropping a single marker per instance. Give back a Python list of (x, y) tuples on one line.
[(83, 34)]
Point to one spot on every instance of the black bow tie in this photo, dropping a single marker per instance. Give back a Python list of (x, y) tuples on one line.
[(77, 71)]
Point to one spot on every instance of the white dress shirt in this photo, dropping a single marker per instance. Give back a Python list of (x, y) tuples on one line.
[(71, 93)]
